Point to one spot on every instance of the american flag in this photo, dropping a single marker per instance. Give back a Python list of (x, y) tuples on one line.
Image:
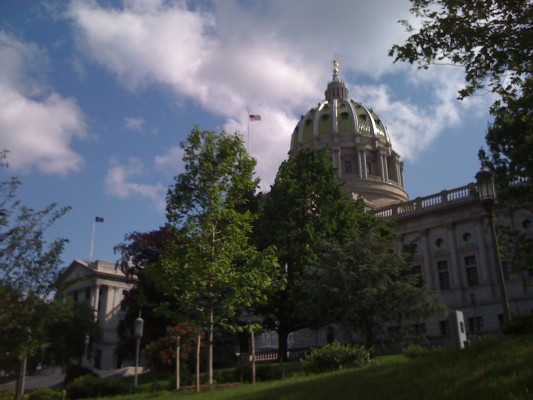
[(255, 117)]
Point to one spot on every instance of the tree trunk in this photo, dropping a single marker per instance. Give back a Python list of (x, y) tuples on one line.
[(198, 344), (210, 349), (283, 335), (252, 335), (178, 363)]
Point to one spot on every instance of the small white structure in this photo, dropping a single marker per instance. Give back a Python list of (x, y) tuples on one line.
[(103, 286), (457, 330)]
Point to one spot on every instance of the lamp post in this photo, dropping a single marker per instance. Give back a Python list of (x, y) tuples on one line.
[(86, 342), (487, 196), (139, 325), (473, 301)]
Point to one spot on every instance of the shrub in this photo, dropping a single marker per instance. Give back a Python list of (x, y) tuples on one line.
[(416, 351), (263, 372), (7, 395), (45, 394), (519, 325), (91, 386), (75, 371), (334, 356)]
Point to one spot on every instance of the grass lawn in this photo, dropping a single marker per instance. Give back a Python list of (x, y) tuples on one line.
[(493, 369)]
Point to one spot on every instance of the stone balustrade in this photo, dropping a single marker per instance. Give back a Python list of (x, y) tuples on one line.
[(445, 198)]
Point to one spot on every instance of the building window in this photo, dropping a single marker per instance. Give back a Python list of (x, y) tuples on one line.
[(348, 167), (467, 236), (444, 327), (439, 242), (475, 324), (472, 277), (88, 294), (444, 275)]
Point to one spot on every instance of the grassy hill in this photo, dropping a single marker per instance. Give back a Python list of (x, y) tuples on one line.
[(493, 369)]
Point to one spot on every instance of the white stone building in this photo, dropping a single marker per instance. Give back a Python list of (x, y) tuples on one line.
[(451, 229), (104, 287)]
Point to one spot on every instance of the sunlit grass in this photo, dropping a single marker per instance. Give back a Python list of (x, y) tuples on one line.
[(495, 369)]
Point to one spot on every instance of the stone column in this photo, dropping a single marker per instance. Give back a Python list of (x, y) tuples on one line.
[(96, 299), (364, 174)]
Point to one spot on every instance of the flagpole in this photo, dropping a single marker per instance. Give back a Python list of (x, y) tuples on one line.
[(248, 138), (92, 240)]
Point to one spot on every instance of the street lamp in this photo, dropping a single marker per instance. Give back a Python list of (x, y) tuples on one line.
[(487, 196), (86, 342), (473, 301), (139, 325)]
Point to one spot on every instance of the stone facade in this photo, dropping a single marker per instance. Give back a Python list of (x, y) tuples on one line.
[(104, 287), (450, 229)]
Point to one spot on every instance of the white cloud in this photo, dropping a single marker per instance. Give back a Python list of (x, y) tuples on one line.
[(171, 162), (269, 58), (36, 127), (134, 124), (118, 183)]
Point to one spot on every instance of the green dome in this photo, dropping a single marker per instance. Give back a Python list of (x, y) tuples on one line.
[(340, 117), (360, 145)]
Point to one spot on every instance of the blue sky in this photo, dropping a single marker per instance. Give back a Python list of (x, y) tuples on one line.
[(95, 97)]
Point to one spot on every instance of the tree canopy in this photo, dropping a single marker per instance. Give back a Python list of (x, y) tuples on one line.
[(29, 267), (213, 269), (493, 41), (306, 205), (365, 281)]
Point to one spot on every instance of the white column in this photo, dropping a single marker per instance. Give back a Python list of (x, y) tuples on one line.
[(337, 162), (96, 300), (363, 163)]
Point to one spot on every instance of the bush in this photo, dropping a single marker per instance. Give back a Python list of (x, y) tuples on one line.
[(75, 371), (519, 325), (91, 386), (263, 372), (45, 394), (334, 356), (416, 351)]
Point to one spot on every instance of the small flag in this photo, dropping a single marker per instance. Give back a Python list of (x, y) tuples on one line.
[(255, 117), (98, 219)]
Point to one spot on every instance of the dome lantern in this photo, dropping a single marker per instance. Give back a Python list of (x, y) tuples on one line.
[(360, 145)]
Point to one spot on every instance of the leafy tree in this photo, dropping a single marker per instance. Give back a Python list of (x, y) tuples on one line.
[(306, 206), (493, 41), (214, 271), (363, 283), (29, 267), (159, 310), (68, 323), (490, 39)]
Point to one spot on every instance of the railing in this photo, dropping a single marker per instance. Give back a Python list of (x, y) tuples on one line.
[(444, 198), (272, 356)]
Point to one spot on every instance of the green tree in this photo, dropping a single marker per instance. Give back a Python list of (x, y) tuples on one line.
[(363, 283), (305, 207), (493, 41), (68, 322), (214, 271), (29, 267)]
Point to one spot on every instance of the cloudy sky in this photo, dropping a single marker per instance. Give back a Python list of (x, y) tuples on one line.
[(95, 97)]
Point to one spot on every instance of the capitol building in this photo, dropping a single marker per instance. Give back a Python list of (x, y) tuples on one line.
[(452, 231)]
